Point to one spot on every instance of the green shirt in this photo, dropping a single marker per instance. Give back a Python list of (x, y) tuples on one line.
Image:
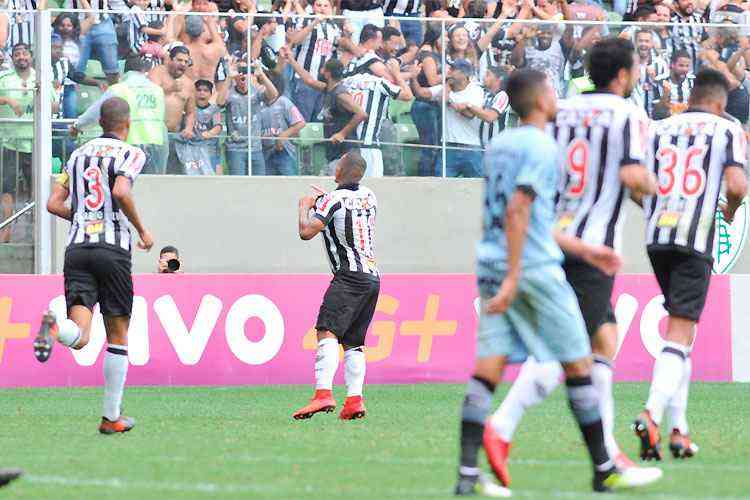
[(146, 100), (19, 136)]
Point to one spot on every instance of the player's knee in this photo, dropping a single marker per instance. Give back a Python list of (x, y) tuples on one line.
[(577, 369), (325, 334)]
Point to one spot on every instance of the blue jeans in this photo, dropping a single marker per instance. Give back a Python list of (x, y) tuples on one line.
[(308, 100), (279, 162), (463, 162), (101, 40), (237, 162), (70, 102), (427, 119), (412, 30)]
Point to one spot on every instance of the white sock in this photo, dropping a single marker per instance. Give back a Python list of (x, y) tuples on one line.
[(115, 371), (354, 371), (534, 383), (678, 403), (326, 363), (68, 332), (668, 371), (601, 377)]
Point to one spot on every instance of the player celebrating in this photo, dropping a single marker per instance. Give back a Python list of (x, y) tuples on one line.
[(98, 179), (694, 152), (527, 306), (346, 217), (602, 139)]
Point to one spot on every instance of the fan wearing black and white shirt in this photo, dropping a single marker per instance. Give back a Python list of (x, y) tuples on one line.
[(673, 89), (652, 68), (494, 110)]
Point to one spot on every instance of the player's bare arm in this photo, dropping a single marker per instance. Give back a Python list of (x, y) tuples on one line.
[(309, 227), (286, 55), (736, 186), (602, 257), (638, 179), (123, 194), (358, 116), (56, 203), (516, 226)]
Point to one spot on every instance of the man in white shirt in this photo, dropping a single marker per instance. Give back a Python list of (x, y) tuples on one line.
[(464, 155)]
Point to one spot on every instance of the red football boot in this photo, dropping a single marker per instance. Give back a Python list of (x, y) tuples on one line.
[(122, 424), (46, 337), (681, 446), (497, 452), (354, 408), (648, 434), (322, 401)]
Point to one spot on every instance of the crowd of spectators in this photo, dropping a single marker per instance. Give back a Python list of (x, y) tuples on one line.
[(210, 80)]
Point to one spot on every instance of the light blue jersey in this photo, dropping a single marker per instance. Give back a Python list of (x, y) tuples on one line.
[(523, 158)]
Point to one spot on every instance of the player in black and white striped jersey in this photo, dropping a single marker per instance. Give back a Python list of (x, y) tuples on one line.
[(603, 138), (98, 179), (693, 153), (346, 219), (373, 94)]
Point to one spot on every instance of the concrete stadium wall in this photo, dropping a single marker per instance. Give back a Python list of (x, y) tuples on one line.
[(249, 225)]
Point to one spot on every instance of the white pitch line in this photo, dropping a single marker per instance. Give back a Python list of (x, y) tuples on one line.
[(228, 488)]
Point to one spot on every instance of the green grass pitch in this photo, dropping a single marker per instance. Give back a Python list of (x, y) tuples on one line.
[(241, 443)]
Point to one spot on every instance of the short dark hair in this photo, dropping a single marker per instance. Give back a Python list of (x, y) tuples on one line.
[(369, 32), (680, 54), (205, 84), (335, 68), (353, 166), (389, 32), (644, 10), (523, 87), (497, 71), (134, 63), (708, 84), (646, 31), (20, 45), (178, 49), (114, 112), (606, 58), (170, 249)]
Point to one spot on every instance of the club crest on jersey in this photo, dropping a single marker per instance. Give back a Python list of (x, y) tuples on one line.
[(729, 239)]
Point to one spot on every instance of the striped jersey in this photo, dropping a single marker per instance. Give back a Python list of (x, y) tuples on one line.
[(349, 235), (137, 21), (21, 25), (401, 7), (373, 94), (497, 102), (689, 154), (597, 133), (679, 92), (362, 64), (318, 47), (647, 92), (96, 5), (90, 175), (687, 34)]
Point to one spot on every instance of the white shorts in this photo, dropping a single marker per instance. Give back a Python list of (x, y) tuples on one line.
[(374, 159)]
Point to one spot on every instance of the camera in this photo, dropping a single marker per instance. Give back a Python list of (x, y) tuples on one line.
[(173, 265)]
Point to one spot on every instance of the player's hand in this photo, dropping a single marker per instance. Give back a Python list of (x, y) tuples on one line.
[(307, 202), (285, 53), (73, 131), (726, 213), (17, 109), (279, 146), (504, 298), (337, 138), (603, 258), (147, 241), (187, 134), (393, 66), (318, 191)]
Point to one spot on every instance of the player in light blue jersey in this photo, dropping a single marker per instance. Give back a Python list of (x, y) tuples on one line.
[(528, 307)]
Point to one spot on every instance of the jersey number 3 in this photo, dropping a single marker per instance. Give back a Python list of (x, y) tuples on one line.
[(95, 198), (689, 166)]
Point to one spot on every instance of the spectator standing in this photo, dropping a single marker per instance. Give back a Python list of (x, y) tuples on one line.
[(100, 40), (179, 101), (21, 20), (464, 158), (652, 68), (370, 42), (68, 26), (674, 89), (140, 29), (538, 48), (235, 102), (280, 121), (726, 51), (361, 12), (425, 112), (687, 34), (200, 155), (147, 114), (492, 114), (340, 114), (412, 30), (17, 101), (203, 38)]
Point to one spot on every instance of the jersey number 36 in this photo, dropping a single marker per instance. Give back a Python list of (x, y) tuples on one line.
[(681, 169)]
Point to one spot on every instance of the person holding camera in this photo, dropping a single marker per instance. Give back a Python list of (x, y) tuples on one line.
[(169, 260)]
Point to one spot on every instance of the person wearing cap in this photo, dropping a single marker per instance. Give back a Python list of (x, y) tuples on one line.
[(464, 155), (147, 114)]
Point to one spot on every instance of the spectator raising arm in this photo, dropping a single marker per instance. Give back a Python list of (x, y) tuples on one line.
[(286, 55), (270, 93)]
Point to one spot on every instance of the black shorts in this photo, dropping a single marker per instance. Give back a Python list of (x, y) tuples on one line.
[(348, 307), (683, 279), (96, 274), (593, 289)]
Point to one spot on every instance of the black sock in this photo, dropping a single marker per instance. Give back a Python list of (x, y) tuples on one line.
[(584, 403), (475, 408)]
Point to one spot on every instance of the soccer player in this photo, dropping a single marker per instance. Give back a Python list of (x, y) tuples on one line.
[(694, 153), (602, 138), (8, 475), (98, 179), (527, 305), (346, 217)]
